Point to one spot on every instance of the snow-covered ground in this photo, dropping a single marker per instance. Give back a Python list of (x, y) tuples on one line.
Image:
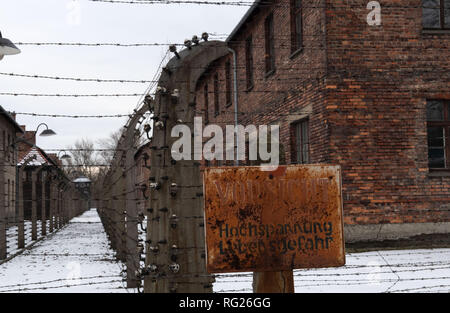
[(75, 259), (78, 259), (374, 272)]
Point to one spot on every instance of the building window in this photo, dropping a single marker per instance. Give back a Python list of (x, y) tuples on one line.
[(8, 197), (436, 14), (205, 94), (13, 194), (8, 149), (296, 25), (249, 62), (300, 142), (270, 44), (438, 130), (4, 144), (228, 83), (216, 95), (28, 177)]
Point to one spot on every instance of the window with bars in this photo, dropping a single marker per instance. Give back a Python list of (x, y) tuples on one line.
[(436, 14), (249, 62), (296, 25), (300, 142), (206, 100), (438, 131), (270, 44), (228, 83), (216, 95)]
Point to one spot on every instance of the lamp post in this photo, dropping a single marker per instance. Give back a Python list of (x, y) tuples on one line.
[(7, 47)]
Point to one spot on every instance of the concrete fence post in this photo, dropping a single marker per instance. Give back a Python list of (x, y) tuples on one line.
[(3, 241), (121, 215), (51, 200), (34, 205), (132, 234), (176, 231), (43, 204), (20, 210)]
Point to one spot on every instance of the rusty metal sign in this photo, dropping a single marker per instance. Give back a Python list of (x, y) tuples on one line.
[(273, 220)]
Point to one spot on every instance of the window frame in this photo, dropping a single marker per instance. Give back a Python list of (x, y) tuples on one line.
[(296, 13), (228, 84), (441, 18), (216, 95), (269, 37), (445, 124), (206, 102), (298, 152), (249, 70), (8, 148)]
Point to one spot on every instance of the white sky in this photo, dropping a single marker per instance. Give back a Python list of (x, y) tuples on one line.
[(56, 21)]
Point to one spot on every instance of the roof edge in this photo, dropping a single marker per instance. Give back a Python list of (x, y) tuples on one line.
[(11, 119), (243, 20)]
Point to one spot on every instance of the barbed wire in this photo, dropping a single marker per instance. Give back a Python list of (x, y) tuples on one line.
[(277, 91), (255, 79), (58, 280), (69, 95), (76, 116), (259, 3), (63, 286), (97, 80), (98, 44), (196, 2)]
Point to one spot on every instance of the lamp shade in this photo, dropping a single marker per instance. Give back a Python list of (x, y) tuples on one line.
[(47, 133), (7, 47)]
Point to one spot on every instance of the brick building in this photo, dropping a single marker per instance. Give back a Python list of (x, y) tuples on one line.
[(373, 99), (32, 158), (9, 129)]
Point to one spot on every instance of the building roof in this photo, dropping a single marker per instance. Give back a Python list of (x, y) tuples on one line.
[(82, 180), (10, 119), (37, 156), (255, 6)]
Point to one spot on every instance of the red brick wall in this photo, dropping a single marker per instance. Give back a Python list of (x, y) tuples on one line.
[(291, 93), (367, 115), (378, 80)]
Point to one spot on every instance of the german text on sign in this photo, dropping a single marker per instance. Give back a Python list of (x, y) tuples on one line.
[(273, 220)]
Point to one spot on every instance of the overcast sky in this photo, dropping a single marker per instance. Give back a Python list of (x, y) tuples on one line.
[(91, 22)]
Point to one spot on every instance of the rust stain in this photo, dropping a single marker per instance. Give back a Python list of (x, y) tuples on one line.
[(273, 220)]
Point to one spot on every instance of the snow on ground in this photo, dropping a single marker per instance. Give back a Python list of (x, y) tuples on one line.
[(75, 259), (78, 259), (374, 272)]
